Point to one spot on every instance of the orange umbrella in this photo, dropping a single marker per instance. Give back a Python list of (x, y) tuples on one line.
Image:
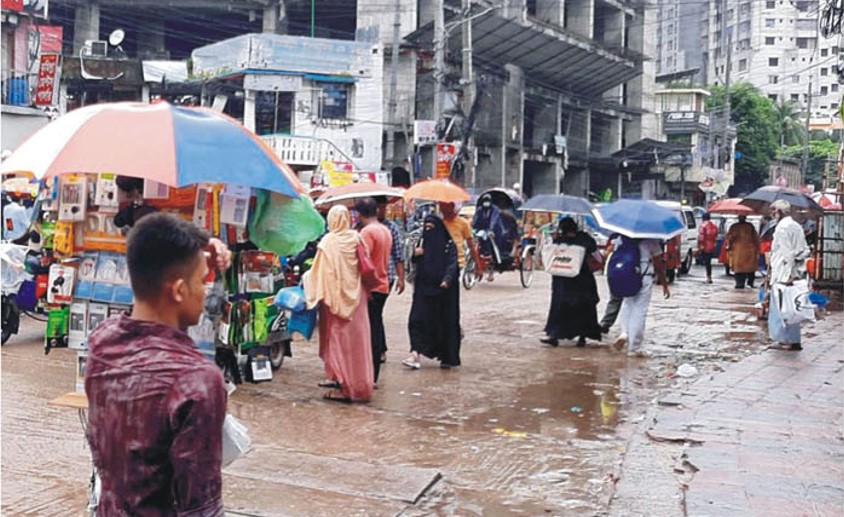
[(437, 190), (731, 206)]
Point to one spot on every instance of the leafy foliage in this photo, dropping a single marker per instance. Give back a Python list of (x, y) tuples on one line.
[(791, 126), (758, 130), (819, 152)]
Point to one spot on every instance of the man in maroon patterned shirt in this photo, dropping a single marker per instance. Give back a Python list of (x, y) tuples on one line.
[(156, 405)]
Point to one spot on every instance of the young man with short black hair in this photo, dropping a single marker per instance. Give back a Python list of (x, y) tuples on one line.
[(156, 405), (378, 241)]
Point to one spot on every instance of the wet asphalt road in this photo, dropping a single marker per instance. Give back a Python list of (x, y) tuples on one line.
[(519, 429)]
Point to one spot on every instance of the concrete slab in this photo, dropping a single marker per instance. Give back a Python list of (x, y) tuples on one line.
[(350, 477)]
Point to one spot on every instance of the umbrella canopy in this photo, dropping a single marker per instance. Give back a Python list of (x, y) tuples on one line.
[(347, 194), (762, 197), (437, 190), (731, 206), (826, 199), (639, 219), (558, 203), (173, 145), (503, 198)]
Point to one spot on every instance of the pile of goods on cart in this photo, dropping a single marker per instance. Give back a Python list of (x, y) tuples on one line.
[(192, 162)]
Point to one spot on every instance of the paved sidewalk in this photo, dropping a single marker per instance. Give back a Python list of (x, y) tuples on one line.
[(762, 438)]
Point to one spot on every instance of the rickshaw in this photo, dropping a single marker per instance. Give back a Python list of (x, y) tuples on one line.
[(492, 258)]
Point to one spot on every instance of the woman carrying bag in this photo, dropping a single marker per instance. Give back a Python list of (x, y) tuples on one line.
[(574, 300)]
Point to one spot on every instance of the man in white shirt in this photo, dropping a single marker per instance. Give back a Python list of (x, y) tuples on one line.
[(634, 309), (789, 252)]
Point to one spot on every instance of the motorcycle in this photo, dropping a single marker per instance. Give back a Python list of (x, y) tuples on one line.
[(24, 287)]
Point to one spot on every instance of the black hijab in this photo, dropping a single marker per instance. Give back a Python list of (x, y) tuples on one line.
[(435, 242)]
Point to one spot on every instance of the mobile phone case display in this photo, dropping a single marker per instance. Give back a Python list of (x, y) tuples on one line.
[(85, 218)]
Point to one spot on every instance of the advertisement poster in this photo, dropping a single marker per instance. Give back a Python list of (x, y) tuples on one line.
[(445, 154), (48, 74)]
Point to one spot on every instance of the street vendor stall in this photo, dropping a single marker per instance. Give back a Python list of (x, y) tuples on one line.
[(103, 167)]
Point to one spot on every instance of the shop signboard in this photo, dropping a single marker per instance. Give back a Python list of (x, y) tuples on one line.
[(48, 79), (13, 5), (680, 121), (445, 155), (51, 38), (424, 132)]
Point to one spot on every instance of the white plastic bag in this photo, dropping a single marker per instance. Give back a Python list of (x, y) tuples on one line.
[(13, 258), (563, 259), (794, 303), (235, 439)]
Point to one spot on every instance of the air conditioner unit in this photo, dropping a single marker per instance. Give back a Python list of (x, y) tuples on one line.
[(96, 48)]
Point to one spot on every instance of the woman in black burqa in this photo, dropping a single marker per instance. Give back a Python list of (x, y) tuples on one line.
[(574, 301), (434, 322)]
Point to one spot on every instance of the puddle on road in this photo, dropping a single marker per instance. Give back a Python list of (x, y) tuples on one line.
[(569, 400)]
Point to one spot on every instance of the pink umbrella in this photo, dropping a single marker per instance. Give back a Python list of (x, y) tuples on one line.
[(174, 145), (730, 206)]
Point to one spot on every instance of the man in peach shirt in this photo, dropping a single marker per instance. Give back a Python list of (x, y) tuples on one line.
[(379, 240)]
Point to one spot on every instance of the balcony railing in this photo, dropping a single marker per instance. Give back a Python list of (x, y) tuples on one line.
[(17, 87), (304, 150)]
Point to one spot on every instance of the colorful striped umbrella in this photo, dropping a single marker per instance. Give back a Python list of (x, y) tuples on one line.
[(169, 144)]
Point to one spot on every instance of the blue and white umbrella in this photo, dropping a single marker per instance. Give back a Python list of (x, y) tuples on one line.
[(639, 219)]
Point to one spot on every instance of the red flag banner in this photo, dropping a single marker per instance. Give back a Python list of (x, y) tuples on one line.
[(45, 88)]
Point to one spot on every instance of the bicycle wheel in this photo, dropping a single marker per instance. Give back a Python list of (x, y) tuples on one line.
[(469, 278), (526, 267)]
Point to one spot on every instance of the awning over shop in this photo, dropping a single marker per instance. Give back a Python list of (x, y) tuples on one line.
[(548, 55), (170, 71), (643, 154)]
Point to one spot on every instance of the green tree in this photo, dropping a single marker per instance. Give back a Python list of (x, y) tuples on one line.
[(819, 152), (791, 127), (756, 121)]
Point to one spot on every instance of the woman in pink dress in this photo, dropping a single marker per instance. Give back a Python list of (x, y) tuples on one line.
[(333, 283)]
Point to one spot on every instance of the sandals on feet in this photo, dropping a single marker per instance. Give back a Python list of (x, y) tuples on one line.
[(329, 384), (336, 396)]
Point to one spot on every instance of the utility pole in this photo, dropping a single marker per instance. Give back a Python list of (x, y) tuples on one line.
[(725, 139), (468, 90), (392, 105), (439, 58), (805, 169)]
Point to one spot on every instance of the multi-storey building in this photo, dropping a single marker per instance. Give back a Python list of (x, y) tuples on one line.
[(562, 86), (776, 46), (678, 53)]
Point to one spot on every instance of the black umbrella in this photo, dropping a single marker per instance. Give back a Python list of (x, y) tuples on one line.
[(764, 196), (559, 203)]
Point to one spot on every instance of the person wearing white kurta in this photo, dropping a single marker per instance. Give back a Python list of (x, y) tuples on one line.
[(789, 252), (634, 309)]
